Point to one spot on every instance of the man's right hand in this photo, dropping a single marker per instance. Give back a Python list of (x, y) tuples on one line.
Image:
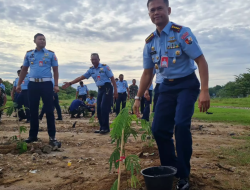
[(65, 85), (18, 89), (136, 108)]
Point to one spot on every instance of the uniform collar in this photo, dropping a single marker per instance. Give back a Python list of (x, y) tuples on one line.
[(166, 29), (44, 50)]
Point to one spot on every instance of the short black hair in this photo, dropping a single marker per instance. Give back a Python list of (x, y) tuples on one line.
[(95, 54), (165, 1), (38, 34), (116, 79), (121, 75), (18, 71), (92, 95), (81, 82), (133, 80)]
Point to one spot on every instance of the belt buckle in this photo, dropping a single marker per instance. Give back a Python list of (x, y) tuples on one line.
[(171, 80), (41, 80), (36, 80), (100, 87)]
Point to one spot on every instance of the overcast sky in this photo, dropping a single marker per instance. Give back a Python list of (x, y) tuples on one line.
[(117, 29)]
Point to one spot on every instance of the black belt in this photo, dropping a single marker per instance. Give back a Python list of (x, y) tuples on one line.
[(157, 84), (180, 79), (105, 85), (122, 93)]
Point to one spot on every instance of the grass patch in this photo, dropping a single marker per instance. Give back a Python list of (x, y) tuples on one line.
[(227, 115), (235, 102), (238, 155)]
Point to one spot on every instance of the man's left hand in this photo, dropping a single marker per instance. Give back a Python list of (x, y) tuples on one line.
[(115, 94), (204, 101)]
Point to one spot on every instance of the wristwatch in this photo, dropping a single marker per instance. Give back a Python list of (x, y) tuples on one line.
[(137, 98)]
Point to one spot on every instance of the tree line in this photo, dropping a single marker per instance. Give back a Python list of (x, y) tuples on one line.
[(240, 87)]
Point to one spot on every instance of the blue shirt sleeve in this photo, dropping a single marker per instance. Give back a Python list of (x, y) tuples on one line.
[(26, 62), (54, 62), (147, 59), (189, 43), (87, 88), (126, 85), (108, 71), (87, 74)]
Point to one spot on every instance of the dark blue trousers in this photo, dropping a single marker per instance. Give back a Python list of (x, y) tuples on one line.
[(56, 105), (174, 109), (104, 105), (84, 97), (122, 98), (44, 90), (156, 95), (23, 100), (146, 110)]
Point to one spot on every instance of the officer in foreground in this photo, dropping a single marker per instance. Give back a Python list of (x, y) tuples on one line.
[(101, 73), (40, 61), (174, 49), (82, 91), (122, 87)]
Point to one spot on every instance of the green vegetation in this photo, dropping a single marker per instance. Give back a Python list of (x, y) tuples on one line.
[(227, 115), (238, 88), (237, 155)]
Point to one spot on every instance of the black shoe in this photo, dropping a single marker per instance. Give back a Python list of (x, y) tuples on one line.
[(31, 140), (78, 116), (53, 142), (97, 131), (59, 119), (20, 119), (72, 116), (103, 132), (183, 184)]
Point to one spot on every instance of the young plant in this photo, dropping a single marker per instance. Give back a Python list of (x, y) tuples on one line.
[(147, 129), (123, 123), (22, 146)]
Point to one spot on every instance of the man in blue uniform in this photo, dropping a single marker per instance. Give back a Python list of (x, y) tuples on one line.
[(91, 102), (174, 49), (82, 91), (2, 85), (40, 61), (56, 105), (14, 94), (147, 102), (122, 87), (101, 73), (23, 100), (3, 101), (77, 107)]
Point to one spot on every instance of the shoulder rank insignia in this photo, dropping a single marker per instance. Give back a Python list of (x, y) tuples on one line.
[(176, 28), (149, 38), (91, 67), (51, 51), (29, 50), (104, 65)]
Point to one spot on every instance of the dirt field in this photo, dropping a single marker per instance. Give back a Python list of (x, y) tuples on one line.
[(89, 154)]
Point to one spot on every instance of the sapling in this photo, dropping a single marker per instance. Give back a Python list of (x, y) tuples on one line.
[(147, 129), (122, 124)]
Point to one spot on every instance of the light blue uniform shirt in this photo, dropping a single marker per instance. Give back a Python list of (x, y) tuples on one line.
[(24, 85), (122, 86), (82, 90), (101, 74), (151, 87), (16, 82), (40, 63), (178, 44), (93, 101), (159, 78), (2, 86)]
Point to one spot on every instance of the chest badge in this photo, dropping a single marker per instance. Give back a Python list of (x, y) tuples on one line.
[(177, 52)]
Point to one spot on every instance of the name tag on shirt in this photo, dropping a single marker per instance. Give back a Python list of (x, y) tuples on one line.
[(164, 61), (40, 63), (98, 77)]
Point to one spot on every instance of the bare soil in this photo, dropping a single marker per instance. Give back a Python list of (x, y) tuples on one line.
[(89, 154)]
